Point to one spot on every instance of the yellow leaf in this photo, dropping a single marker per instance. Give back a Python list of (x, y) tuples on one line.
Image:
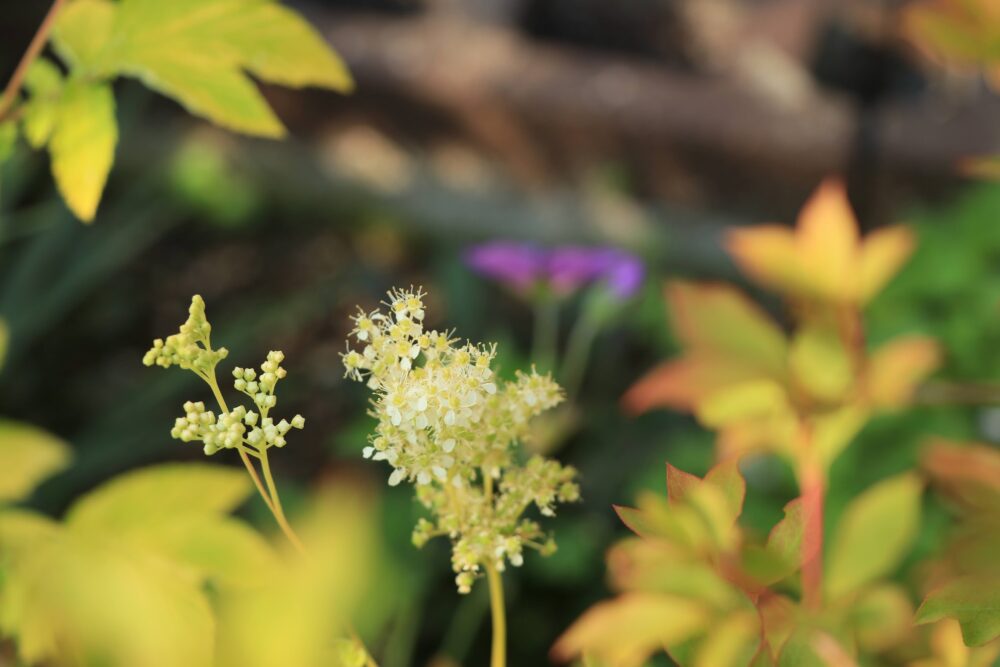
[(44, 81), (731, 643), (82, 145), (142, 500), (827, 240), (73, 596), (834, 430), (627, 630), (27, 456), (882, 254), (768, 254)]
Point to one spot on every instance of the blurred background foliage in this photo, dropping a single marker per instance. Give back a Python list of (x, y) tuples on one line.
[(637, 124)]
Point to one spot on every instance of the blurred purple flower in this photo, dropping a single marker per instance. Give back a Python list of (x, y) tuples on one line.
[(565, 268)]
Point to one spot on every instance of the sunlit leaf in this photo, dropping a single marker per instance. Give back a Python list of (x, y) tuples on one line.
[(20, 529), (627, 630), (973, 601), (823, 259), (731, 643), (683, 383), (82, 144), (82, 31), (874, 534), (27, 456), (741, 402), (164, 493)]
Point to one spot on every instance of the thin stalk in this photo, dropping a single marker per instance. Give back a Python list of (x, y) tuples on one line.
[(214, 385), (279, 513), (498, 650), (34, 48), (581, 339)]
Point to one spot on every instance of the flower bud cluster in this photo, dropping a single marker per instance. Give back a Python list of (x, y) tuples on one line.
[(227, 429), (191, 347), (447, 424)]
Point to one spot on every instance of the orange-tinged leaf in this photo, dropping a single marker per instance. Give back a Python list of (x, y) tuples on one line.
[(896, 369), (968, 473), (727, 478), (680, 483), (883, 252), (680, 384), (828, 240), (719, 320), (627, 630), (987, 167)]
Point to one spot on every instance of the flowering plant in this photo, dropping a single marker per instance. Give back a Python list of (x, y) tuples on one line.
[(447, 424)]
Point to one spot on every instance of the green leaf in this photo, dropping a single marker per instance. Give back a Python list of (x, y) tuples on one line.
[(821, 363), (164, 493), (973, 601), (874, 534), (27, 456), (8, 140), (82, 31), (82, 145)]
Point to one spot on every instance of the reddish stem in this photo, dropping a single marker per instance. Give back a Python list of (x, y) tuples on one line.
[(813, 487), (34, 48)]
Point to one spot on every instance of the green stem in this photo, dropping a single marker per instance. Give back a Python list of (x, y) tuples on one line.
[(34, 48), (581, 339), (546, 331), (276, 509)]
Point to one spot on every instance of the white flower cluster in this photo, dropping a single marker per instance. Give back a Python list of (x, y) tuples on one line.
[(446, 423), (191, 349)]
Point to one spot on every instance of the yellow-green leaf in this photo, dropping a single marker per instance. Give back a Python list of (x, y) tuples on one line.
[(73, 596), (745, 401), (277, 45), (82, 145), (8, 140), (731, 643), (627, 630), (821, 363), (82, 31), (874, 534), (44, 81), (881, 617), (133, 501), (973, 601), (27, 456), (21, 529)]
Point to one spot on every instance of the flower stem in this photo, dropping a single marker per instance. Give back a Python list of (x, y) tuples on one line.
[(546, 331), (498, 653), (581, 339), (34, 48), (276, 509)]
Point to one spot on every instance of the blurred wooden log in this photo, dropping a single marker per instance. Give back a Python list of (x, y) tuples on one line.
[(551, 112)]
